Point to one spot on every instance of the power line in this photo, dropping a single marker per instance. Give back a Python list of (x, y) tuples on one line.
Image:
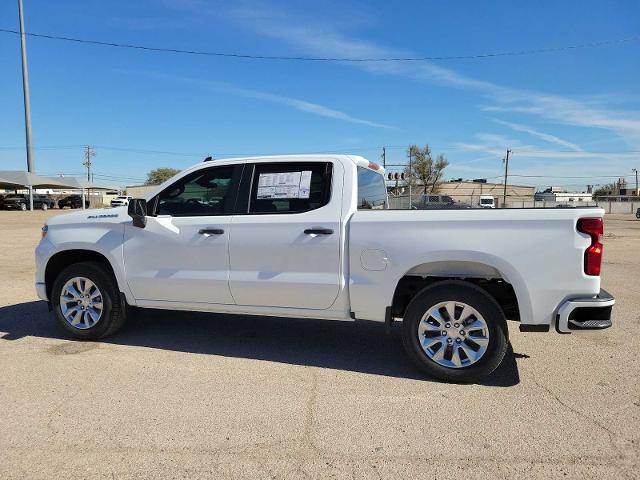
[(571, 177), (512, 53), (340, 150), (577, 152)]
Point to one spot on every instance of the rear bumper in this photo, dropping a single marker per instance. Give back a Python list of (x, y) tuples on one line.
[(590, 313)]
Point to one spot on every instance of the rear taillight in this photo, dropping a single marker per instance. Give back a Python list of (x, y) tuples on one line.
[(593, 254)]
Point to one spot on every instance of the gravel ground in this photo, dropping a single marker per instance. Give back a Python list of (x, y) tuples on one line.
[(177, 395)]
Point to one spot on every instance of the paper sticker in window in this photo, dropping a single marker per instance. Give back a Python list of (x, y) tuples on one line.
[(284, 185)]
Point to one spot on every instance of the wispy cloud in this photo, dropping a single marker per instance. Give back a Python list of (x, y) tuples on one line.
[(624, 123), (301, 105), (494, 144), (531, 165), (547, 137), (325, 38), (294, 103)]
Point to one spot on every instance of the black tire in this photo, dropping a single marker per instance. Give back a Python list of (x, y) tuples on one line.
[(23, 207), (113, 314), (473, 296)]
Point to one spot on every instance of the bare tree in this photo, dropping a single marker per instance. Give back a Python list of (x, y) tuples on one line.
[(606, 190), (424, 171)]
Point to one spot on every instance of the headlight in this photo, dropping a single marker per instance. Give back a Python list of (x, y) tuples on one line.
[(45, 229)]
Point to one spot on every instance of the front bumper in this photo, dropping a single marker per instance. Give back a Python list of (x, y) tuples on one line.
[(41, 290), (590, 313)]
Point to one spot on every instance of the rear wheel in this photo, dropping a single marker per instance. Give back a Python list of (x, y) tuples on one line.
[(23, 207), (86, 302), (455, 331)]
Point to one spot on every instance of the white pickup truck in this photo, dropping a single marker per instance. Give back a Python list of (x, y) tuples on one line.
[(311, 236)]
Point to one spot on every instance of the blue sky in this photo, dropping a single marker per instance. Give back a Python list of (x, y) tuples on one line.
[(571, 113)]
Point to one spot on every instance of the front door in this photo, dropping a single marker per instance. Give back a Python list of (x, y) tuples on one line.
[(285, 238), (182, 255)]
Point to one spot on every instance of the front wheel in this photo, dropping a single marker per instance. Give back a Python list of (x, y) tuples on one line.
[(23, 207), (455, 331), (86, 302), (44, 207)]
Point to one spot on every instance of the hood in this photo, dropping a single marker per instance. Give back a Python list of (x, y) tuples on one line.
[(96, 215)]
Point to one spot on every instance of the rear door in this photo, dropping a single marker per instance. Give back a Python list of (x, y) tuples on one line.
[(285, 238)]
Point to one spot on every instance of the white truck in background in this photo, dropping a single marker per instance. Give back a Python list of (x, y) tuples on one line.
[(487, 201), (311, 236)]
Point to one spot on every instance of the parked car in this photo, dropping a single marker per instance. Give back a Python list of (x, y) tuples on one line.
[(638, 213), (311, 237), (487, 201), (438, 202), (21, 202), (120, 201), (72, 201)]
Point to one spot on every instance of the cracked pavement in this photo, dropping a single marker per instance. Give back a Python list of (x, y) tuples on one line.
[(179, 395)]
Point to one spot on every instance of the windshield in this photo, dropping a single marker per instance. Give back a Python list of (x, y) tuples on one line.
[(486, 201)]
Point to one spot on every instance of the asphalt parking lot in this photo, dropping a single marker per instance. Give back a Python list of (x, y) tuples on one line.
[(177, 395)]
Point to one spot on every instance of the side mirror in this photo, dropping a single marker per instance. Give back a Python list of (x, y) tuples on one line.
[(138, 211)]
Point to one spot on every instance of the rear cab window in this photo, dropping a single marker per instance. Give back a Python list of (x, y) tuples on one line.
[(372, 190)]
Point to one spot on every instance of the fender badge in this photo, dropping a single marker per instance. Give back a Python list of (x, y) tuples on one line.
[(111, 215)]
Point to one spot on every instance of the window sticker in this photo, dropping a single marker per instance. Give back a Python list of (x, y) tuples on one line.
[(284, 185), (305, 184)]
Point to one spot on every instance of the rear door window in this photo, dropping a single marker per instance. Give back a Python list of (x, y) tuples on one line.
[(289, 187)]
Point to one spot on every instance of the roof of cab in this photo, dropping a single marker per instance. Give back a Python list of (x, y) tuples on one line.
[(357, 159)]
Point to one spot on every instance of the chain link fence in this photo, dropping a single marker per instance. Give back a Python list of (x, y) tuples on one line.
[(618, 205)]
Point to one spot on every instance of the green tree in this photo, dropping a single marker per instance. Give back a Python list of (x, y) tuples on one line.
[(424, 170), (159, 175)]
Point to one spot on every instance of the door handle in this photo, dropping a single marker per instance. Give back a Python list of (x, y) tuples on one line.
[(318, 231), (211, 231)]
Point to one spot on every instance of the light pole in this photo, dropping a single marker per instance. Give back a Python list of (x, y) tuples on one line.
[(636, 172), (27, 106)]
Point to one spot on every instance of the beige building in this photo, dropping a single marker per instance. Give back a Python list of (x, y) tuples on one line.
[(139, 191), (470, 191)]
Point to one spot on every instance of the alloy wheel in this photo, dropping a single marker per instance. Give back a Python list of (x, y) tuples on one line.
[(453, 334), (81, 303)]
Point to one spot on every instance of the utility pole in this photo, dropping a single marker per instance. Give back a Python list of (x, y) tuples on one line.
[(27, 104), (384, 157), (88, 153), (409, 178), (636, 172), (506, 173)]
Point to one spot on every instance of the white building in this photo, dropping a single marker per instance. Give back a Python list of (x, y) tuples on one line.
[(556, 194)]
